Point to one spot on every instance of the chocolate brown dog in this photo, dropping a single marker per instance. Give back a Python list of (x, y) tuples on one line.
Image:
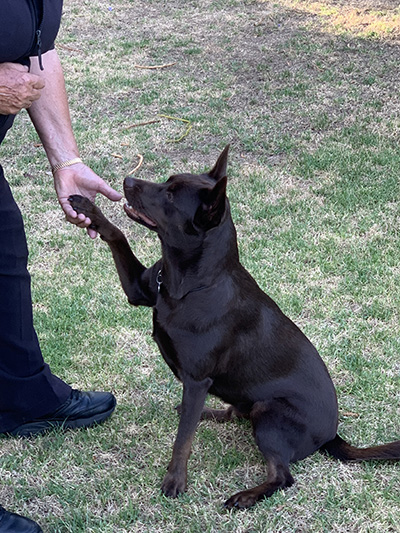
[(221, 334)]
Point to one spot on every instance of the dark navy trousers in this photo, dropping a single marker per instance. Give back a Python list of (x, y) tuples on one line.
[(28, 389)]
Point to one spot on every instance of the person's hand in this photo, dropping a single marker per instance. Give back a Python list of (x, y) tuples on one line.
[(80, 179), (18, 88)]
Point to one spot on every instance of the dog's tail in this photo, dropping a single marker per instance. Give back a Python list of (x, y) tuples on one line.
[(340, 449)]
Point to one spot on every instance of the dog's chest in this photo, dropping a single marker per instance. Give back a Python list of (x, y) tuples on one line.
[(166, 345), (186, 337)]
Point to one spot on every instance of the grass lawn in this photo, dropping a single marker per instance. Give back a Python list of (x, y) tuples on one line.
[(307, 94)]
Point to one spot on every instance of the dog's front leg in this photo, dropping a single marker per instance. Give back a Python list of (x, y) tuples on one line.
[(194, 396), (130, 270)]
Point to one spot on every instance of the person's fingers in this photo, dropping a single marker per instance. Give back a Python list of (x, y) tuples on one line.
[(68, 210), (81, 221), (16, 66), (37, 82), (92, 233), (72, 216), (109, 192)]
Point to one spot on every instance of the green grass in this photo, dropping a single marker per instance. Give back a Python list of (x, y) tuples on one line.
[(312, 118)]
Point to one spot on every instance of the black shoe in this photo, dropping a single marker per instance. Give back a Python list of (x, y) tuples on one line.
[(15, 523), (82, 409)]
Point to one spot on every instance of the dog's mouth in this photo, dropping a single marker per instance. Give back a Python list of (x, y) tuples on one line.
[(139, 217)]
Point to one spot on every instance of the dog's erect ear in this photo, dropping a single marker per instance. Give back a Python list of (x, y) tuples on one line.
[(219, 170), (210, 212)]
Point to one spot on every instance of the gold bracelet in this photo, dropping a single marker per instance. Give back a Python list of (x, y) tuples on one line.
[(65, 164)]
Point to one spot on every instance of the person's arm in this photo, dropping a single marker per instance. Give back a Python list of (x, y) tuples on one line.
[(51, 118)]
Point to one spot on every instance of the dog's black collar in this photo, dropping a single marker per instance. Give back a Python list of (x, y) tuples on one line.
[(159, 282)]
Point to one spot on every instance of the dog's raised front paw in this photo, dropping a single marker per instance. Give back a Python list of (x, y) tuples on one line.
[(83, 205)]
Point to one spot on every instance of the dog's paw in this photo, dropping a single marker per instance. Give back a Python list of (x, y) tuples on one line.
[(83, 205), (173, 485), (241, 500)]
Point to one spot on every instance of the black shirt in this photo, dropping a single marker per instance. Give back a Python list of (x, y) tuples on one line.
[(27, 28)]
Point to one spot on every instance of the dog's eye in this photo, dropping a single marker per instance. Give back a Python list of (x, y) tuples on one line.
[(170, 196)]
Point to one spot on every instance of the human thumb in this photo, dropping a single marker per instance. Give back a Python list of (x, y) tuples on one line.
[(110, 193)]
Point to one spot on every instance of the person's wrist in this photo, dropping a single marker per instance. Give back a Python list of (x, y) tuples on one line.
[(64, 164)]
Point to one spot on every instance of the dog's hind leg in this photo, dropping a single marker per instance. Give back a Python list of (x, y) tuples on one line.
[(222, 415), (272, 437), (278, 477), (218, 415)]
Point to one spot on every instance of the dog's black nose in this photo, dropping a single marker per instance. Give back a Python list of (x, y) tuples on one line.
[(129, 183)]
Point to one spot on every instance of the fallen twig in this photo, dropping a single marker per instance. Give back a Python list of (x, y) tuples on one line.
[(69, 48), (140, 124), (155, 67), (137, 166), (188, 128), (118, 156)]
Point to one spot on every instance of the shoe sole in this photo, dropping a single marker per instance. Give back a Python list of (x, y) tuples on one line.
[(37, 428)]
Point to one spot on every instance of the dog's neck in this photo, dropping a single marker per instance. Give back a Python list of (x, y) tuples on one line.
[(201, 267)]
